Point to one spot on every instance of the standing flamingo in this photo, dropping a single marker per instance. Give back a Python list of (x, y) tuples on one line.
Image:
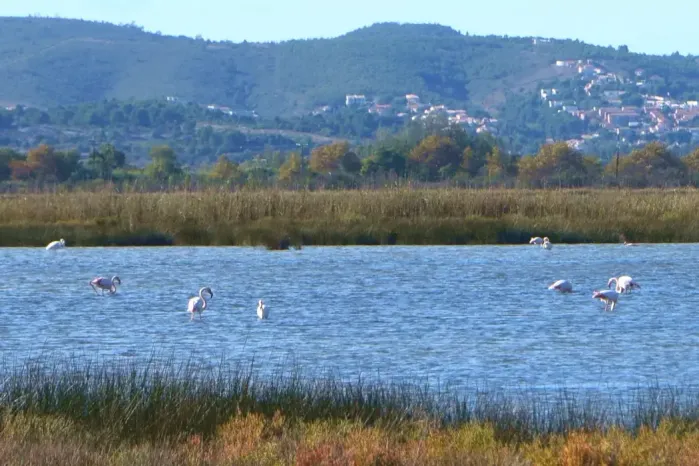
[(105, 284), (608, 297), (60, 244), (623, 284), (546, 244), (262, 310), (536, 240), (198, 303), (564, 286)]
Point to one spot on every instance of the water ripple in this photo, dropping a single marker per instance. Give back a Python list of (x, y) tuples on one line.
[(453, 313)]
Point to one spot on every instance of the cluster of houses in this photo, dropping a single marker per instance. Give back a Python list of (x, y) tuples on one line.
[(220, 108), (655, 114), (652, 114), (417, 110)]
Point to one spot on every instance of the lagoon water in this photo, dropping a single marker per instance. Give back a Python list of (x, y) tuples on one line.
[(459, 315)]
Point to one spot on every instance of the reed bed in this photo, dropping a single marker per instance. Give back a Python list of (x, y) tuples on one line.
[(77, 412), (386, 216)]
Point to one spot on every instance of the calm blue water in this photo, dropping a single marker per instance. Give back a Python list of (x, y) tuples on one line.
[(460, 315)]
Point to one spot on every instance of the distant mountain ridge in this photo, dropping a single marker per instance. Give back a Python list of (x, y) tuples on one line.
[(51, 61)]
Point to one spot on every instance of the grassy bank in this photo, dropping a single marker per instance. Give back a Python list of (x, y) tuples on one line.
[(161, 414), (390, 216)]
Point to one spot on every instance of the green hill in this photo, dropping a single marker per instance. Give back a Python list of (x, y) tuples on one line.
[(50, 61)]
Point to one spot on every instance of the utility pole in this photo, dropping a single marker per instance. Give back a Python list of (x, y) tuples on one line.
[(616, 171)]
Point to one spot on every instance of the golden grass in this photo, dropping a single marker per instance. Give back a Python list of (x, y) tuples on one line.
[(387, 216), (255, 440)]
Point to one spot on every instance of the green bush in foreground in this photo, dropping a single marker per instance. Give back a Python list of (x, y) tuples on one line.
[(163, 400), (80, 412)]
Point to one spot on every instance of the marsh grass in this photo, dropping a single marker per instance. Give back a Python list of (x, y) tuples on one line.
[(363, 217), (73, 411)]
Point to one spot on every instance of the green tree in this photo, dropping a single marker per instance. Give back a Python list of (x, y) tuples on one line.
[(225, 170), (436, 156), (163, 163), (651, 165), (105, 160), (6, 157), (292, 169), (384, 160), (326, 159), (496, 164), (691, 161), (351, 163), (556, 164)]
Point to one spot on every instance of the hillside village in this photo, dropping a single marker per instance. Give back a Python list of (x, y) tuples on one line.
[(656, 116)]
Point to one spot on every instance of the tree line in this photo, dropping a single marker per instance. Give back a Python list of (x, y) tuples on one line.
[(419, 154)]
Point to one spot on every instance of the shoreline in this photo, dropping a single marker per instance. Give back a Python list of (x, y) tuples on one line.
[(278, 219)]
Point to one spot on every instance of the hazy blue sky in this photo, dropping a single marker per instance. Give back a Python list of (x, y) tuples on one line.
[(640, 25)]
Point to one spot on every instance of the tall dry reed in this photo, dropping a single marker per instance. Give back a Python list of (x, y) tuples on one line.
[(387, 216)]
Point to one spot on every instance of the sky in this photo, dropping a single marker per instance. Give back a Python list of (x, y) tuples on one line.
[(640, 25)]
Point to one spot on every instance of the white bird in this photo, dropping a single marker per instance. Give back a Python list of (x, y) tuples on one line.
[(56, 245), (546, 244), (608, 297), (262, 310), (536, 240), (105, 284), (198, 303), (623, 284), (626, 243), (564, 286)]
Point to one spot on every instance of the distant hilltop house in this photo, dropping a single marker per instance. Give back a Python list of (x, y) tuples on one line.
[(412, 102), (322, 109), (229, 111), (412, 99), (355, 100), (546, 93), (381, 109), (624, 116)]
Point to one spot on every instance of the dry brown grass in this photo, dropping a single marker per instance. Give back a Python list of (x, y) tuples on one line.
[(389, 216), (254, 440)]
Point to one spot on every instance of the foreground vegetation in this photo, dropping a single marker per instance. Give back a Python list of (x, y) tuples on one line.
[(364, 217), (113, 413)]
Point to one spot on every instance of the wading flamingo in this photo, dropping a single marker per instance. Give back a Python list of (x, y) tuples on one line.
[(536, 240), (546, 244), (60, 244), (608, 297), (564, 286), (623, 284), (198, 303), (105, 284), (262, 310)]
